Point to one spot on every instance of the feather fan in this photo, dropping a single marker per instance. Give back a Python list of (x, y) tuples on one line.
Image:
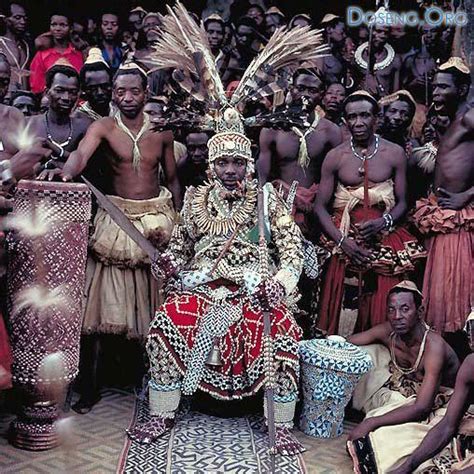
[(286, 49), (183, 46)]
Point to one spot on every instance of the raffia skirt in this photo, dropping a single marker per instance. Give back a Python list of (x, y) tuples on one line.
[(121, 295)]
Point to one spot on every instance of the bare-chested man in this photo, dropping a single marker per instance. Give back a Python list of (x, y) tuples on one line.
[(15, 46), (418, 68), (62, 130), (22, 152), (386, 76), (332, 66), (440, 436), (121, 295), (243, 53), (446, 217), (96, 87), (297, 154), (11, 119), (409, 383), (363, 184)]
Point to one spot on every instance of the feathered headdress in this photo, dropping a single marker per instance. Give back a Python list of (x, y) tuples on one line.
[(184, 47)]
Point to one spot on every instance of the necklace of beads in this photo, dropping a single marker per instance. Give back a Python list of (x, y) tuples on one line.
[(211, 214), (360, 61), (50, 136), (414, 367), (364, 158)]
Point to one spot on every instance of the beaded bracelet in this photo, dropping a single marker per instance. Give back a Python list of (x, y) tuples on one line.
[(388, 220)]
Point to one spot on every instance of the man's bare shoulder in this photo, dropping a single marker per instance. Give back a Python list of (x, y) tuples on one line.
[(392, 150), (467, 368), (11, 113), (165, 136), (390, 146), (78, 114), (327, 125), (268, 134), (81, 121), (437, 346), (103, 125), (36, 123), (468, 118), (344, 147), (383, 331), (15, 114)]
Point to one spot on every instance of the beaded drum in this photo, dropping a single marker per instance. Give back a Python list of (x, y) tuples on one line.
[(331, 369), (53, 257)]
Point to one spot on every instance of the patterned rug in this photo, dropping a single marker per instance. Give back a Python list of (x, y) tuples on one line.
[(205, 444)]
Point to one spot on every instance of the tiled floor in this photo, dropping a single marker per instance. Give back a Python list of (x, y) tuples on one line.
[(96, 439)]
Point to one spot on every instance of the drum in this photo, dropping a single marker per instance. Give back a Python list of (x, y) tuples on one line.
[(330, 369), (47, 253)]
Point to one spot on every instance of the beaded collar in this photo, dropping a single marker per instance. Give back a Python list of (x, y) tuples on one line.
[(216, 214)]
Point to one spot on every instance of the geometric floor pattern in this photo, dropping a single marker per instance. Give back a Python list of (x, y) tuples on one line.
[(201, 444), (96, 441)]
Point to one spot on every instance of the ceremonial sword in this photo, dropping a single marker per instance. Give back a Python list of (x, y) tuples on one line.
[(123, 221)]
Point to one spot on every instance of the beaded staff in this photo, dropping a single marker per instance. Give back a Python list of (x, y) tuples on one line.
[(267, 336)]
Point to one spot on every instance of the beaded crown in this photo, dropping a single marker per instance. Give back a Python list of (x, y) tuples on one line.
[(230, 139)]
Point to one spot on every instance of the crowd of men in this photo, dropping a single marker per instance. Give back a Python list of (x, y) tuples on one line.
[(377, 137)]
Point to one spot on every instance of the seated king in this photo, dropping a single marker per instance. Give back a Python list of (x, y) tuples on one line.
[(222, 277)]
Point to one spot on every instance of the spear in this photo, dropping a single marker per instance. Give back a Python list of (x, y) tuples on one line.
[(267, 336)]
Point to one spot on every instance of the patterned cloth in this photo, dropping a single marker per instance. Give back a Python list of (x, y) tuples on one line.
[(212, 300), (205, 444), (66, 209), (448, 282), (179, 321), (5, 356), (394, 254)]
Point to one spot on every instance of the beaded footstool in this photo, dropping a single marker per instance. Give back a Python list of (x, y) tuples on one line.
[(330, 369)]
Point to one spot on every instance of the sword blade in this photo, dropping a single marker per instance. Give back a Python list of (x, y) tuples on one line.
[(122, 220)]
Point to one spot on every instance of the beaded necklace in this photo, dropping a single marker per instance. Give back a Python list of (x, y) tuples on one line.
[(215, 216), (365, 158), (414, 368), (50, 136)]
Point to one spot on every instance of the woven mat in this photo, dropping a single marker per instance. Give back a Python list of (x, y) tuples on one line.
[(205, 444)]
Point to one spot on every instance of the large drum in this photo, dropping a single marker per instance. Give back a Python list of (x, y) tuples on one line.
[(51, 259), (330, 370)]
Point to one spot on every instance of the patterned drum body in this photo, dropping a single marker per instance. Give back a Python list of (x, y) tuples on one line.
[(330, 372), (55, 260), (63, 260)]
